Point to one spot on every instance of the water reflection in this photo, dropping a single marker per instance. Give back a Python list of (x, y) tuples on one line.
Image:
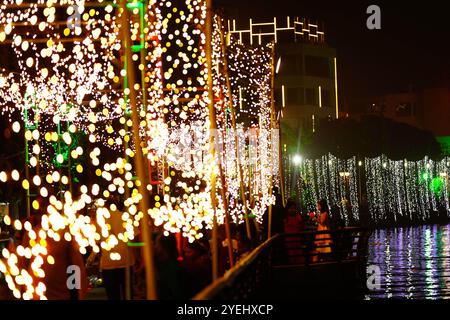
[(414, 262)]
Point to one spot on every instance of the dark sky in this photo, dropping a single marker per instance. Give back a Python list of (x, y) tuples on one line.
[(411, 50)]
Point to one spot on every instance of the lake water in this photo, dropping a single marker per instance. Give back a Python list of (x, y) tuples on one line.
[(414, 262)]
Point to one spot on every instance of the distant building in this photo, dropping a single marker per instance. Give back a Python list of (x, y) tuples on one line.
[(306, 81), (428, 109)]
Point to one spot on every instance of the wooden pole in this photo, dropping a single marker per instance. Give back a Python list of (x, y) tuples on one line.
[(128, 283), (272, 127), (27, 161), (212, 140), (147, 224), (227, 216), (223, 181), (281, 164), (281, 167), (236, 140)]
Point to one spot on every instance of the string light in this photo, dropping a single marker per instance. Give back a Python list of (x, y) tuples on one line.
[(395, 190), (62, 88)]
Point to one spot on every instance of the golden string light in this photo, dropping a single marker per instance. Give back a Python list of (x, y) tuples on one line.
[(74, 82)]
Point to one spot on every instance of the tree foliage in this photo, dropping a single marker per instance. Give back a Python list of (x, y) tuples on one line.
[(370, 137)]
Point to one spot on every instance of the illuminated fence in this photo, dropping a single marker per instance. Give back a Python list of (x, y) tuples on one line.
[(258, 33), (387, 190)]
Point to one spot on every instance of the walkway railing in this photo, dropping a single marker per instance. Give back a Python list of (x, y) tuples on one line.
[(283, 253), (246, 276)]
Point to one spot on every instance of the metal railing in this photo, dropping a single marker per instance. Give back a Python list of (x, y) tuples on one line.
[(250, 276), (243, 278)]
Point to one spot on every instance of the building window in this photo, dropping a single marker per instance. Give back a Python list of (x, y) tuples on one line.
[(291, 64), (293, 96), (317, 67), (326, 98), (311, 98)]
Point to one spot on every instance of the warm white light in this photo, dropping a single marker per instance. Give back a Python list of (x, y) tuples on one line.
[(278, 65), (297, 159), (15, 175), (16, 127), (60, 158)]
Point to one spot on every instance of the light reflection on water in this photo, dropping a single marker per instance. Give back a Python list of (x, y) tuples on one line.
[(414, 262)]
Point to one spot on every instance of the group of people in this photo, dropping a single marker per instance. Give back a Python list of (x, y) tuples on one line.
[(181, 270), (288, 220)]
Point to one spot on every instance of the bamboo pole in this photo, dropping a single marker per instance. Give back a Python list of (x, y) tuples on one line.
[(128, 283), (227, 216), (225, 202), (281, 166), (281, 163), (212, 120), (143, 53), (236, 140), (272, 127), (147, 224), (27, 168)]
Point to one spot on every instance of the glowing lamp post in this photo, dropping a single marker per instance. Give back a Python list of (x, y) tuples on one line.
[(297, 160), (344, 175)]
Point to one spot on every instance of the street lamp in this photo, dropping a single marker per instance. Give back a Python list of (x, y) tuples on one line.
[(344, 174), (297, 159)]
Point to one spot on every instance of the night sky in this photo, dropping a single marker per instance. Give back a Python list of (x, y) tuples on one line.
[(411, 51)]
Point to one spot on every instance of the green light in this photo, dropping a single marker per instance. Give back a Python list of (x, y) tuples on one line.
[(137, 47), (136, 244), (444, 141), (135, 5), (437, 186)]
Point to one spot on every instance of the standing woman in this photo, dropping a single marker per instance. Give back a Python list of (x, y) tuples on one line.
[(323, 241)]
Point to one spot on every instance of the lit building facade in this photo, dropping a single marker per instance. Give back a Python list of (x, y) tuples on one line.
[(306, 80)]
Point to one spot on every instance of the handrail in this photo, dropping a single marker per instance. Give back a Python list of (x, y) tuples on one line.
[(331, 231), (233, 273), (227, 280)]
